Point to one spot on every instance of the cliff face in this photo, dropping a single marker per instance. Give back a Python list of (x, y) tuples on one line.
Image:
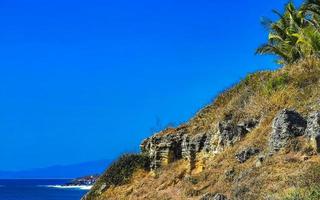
[(258, 140), (175, 144)]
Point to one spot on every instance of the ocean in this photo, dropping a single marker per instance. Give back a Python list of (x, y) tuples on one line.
[(40, 189)]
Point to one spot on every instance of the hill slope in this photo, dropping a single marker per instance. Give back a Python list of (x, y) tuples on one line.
[(258, 140)]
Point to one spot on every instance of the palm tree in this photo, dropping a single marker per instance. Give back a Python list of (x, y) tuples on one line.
[(311, 9), (313, 6), (296, 34), (284, 35)]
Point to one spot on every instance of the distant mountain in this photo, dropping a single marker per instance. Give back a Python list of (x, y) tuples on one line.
[(59, 171)]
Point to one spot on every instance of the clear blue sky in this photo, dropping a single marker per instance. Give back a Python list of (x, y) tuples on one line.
[(86, 80)]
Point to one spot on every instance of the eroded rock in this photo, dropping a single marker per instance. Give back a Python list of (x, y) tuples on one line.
[(178, 143), (229, 133), (313, 130), (246, 154), (288, 124), (165, 148)]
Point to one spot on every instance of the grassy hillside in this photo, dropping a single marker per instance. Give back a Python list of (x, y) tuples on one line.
[(257, 140), (292, 173)]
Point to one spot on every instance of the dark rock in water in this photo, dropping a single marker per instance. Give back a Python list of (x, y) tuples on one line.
[(246, 154), (313, 129), (288, 124), (214, 196), (87, 180)]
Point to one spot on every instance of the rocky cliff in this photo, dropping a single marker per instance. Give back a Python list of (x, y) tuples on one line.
[(258, 140), (174, 144)]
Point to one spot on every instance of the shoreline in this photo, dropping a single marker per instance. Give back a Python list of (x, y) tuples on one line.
[(80, 187)]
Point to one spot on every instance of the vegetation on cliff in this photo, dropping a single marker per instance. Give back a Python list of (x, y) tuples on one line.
[(119, 173)]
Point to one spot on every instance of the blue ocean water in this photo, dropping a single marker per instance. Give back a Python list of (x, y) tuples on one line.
[(27, 189)]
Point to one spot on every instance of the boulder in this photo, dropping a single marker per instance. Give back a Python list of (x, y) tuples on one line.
[(214, 196), (287, 124), (246, 154)]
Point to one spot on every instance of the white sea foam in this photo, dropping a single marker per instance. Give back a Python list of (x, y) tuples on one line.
[(79, 187)]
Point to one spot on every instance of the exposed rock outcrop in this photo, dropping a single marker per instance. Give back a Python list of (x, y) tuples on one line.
[(313, 130), (192, 145), (229, 133), (246, 154), (175, 144), (165, 147), (288, 124), (214, 196)]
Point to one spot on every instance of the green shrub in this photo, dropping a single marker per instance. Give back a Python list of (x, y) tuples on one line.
[(277, 83), (307, 186), (296, 195), (119, 173), (121, 170), (312, 193)]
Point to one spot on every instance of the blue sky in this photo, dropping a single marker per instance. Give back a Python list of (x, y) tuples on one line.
[(88, 80)]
